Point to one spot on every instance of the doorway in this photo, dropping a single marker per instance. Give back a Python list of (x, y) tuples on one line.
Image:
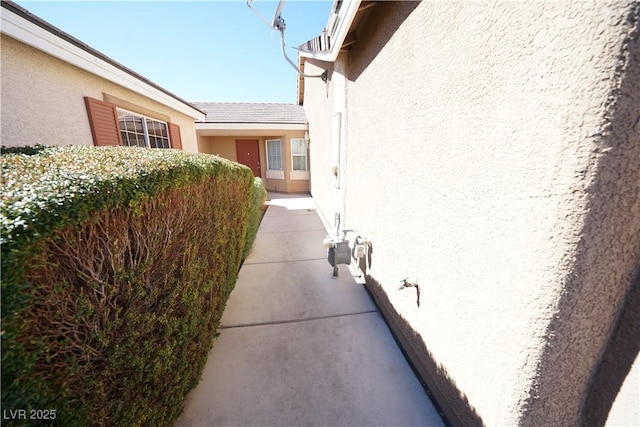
[(248, 153)]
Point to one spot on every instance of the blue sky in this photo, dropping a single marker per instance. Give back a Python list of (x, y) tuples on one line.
[(198, 50)]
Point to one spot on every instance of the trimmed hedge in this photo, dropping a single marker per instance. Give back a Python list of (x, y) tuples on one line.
[(116, 266), (258, 197)]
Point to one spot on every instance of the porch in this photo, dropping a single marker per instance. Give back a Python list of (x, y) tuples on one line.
[(271, 139)]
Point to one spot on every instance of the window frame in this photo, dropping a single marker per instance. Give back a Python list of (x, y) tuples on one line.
[(300, 175), (305, 155), (274, 173), (145, 128)]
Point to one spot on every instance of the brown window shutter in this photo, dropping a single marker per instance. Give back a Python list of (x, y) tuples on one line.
[(104, 122), (174, 136)]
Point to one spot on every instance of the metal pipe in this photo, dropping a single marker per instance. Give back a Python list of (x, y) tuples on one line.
[(284, 53)]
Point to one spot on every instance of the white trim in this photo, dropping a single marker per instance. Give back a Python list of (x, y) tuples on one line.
[(251, 126), (274, 174), (306, 156), (299, 175), (31, 34), (340, 138), (266, 154), (145, 128), (346, 16)]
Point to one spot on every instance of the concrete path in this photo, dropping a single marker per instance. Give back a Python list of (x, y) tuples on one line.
[(299, 347)]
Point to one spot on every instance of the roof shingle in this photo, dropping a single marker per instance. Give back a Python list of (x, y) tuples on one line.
[(248, 112)]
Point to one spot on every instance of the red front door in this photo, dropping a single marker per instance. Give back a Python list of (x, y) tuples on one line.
[(248, 153)]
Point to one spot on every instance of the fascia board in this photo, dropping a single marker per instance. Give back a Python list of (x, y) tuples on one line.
[(251, 126), (27, 32), (345, 19)]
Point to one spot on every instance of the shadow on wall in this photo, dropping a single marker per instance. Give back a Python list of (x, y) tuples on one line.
[(381, 23), (607, 271), (617, 360), (451, 402)]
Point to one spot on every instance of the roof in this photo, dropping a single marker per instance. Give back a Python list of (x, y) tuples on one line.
[(338, 35), (247, 112), (24, 35)]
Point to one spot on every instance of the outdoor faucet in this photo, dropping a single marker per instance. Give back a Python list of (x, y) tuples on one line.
[(407, 284)]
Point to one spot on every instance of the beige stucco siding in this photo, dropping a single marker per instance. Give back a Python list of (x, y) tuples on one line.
[(43, 100), (481, 162), (319, 107), (225, 146)]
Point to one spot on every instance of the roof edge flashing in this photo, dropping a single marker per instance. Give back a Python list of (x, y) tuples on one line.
[(38, 34), (250, 126), (346, 15)]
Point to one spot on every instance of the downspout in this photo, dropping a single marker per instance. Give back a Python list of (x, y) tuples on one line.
[(340, 112)]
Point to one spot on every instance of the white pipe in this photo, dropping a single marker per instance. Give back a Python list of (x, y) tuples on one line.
[(284, 53)]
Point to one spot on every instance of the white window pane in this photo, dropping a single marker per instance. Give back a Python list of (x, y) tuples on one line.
[(137, 130), (299, 163), (158, 142), (141, 141), (156, 128), (125, 138), (274, 155), (298, 146), (137, 124)]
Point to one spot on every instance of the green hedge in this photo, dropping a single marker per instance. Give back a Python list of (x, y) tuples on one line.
[(258, 197), (116, 266)]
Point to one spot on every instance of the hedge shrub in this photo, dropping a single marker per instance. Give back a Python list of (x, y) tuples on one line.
[(258, 197), (116, 266)]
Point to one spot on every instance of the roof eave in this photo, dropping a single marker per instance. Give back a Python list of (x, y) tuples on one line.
[(250, 126), (27, 28), (345, 19)]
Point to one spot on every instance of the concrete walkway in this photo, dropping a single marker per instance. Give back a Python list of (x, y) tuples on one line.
[(299, 347)]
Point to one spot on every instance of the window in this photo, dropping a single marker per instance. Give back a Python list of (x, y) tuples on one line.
[(139, 131), (298, 154), (274, 155), (111, 126)]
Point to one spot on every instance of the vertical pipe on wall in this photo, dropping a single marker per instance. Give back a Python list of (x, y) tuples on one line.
[(340, 135)]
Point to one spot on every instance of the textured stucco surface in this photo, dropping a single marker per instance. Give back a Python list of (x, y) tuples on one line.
[(42, 100), (225, 146), (319, 103), (492, 157)]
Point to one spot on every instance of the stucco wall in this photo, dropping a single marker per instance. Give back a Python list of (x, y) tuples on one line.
[(225, 146), (287, 185), (484, 161), (319, 108), (42, 100)]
